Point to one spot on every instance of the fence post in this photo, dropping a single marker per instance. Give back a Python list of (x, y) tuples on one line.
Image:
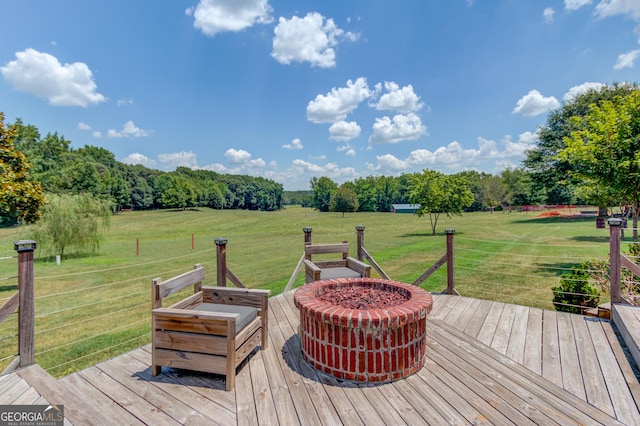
[(26, 313), (360, 234), (614, 259), (451, 288), (221, 256)]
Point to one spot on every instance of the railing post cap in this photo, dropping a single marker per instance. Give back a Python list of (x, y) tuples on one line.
[(450, 231), (307, 229), (359, 227), (220, 241), (614, 221), (24, 245)]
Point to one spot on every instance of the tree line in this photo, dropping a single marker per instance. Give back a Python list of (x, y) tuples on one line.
[(511, 187), (61, 169)]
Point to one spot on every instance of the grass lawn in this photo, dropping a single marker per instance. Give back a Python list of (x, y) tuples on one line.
[(90, 308)]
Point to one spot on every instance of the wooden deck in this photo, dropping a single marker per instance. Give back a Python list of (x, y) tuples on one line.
[(487, 363)]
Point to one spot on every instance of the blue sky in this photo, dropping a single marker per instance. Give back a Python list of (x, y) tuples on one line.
[(289, 90)]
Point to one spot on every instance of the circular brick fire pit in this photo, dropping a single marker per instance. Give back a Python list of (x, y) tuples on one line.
[(378, 344)]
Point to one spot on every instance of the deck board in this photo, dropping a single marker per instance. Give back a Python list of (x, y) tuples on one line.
[(487, 363), (594, 384)]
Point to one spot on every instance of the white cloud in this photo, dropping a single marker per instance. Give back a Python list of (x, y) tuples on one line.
[(137, 158), (618, 7), (295, 144), (42, 75), (534, 103), (548, 13), (335, 105), (575, 4), (343, 131), (83, 126), (350, 153), (580, 89), (454, 157), (330, 170), (402, 128), (97, 134), (237, 155), (626, 60), (396, 99), (309, 39), (123, 102), (178, 159), (216, 16), (129, 130)]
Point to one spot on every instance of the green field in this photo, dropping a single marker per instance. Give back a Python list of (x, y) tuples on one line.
[(90, 308)]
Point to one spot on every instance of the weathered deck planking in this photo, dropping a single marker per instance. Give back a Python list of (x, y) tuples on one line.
[(487, 363)]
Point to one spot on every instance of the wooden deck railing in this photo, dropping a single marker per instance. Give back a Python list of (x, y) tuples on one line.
[(363, 255), (222, 270), (23, 301)]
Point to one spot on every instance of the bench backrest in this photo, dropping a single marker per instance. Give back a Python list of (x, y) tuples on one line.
[(311, 249), (162, 289)]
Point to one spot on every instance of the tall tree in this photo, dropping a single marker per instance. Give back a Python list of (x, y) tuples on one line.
[(437, 193), (20, 197), (550, 173), (322, 189), (519, 188), (604, 151), (493, 191)]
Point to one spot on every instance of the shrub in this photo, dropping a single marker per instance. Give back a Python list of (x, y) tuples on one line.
[(575, 294)]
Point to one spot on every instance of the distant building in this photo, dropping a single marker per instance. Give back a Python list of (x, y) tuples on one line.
[(404, 208)]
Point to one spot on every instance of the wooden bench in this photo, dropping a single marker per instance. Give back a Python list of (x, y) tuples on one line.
[(343, 267), (212, 331)]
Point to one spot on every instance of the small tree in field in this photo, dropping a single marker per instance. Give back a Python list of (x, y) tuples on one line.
[(72, 221), (437, 193), (344, 200)]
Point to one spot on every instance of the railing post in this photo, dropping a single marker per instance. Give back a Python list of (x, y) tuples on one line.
[(26, 312), (451, 288), (614, 259), (221, 257), (307, 238), (360, 241), (307, 234)]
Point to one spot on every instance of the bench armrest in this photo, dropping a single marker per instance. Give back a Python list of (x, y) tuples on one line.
[(359, 266)]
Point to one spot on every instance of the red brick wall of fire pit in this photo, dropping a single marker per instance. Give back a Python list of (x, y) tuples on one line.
[(364, 345)]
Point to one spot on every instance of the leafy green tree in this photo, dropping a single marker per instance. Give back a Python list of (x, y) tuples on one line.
[(437, 193), (519, 187), (174, 191), (344, 200), (367, 190), (493, 191), (322, 189), (550, 173), (604, 151), (20, 196), (141, 194), (72, 221)]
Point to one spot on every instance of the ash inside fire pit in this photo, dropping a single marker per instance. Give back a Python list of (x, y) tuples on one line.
[(357, 297)]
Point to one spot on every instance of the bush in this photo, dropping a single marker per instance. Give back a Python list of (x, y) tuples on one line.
[(575, 294)]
